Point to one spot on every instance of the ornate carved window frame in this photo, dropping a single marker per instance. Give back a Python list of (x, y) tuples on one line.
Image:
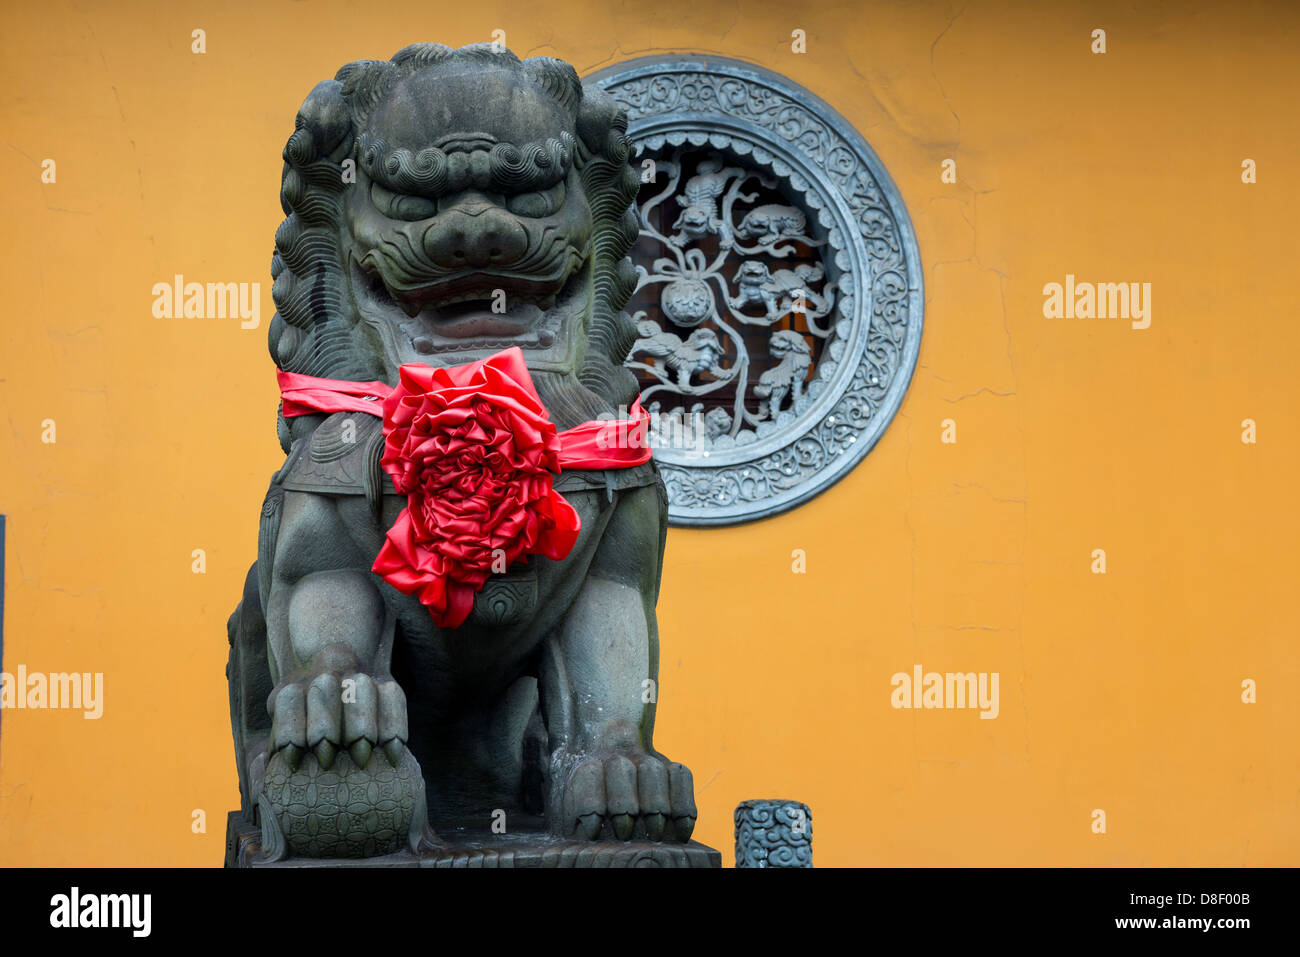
[(867, 362)]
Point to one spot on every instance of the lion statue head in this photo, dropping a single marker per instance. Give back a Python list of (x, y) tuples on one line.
[(447, 204)]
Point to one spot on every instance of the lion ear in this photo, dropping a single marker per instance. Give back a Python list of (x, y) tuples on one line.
[(422, 54), (322, 124), (364, 83), (602, 124), (557, 78)]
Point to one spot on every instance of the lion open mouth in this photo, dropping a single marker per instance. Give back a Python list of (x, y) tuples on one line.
[(467, 309)]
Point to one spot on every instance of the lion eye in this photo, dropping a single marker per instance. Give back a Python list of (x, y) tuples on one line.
[(537, 204), (401, 206)]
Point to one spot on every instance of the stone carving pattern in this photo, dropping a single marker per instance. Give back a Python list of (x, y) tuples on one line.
[(774, 115), (683, 278), (773, 834)]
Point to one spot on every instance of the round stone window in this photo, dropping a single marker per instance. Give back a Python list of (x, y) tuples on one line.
[(779, 303)]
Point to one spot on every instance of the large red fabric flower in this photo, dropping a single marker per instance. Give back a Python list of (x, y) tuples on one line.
[(473, 450)]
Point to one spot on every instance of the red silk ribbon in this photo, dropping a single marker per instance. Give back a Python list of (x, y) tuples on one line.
[(475, 453)]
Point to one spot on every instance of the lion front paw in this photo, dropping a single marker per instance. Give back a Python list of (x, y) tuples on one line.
[(637, 794), (329, 713)]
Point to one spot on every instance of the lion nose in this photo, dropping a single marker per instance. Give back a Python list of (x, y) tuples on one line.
[(477, 237)]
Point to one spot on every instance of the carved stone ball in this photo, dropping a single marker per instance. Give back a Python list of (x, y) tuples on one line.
[(346, 811), (687, 302)]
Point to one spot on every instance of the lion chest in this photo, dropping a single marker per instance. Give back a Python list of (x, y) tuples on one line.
[(341, 463)]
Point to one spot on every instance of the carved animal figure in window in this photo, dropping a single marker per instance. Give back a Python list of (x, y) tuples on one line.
[(771, 222), (784, 379), (781, 291), (699, 199), (683, 360)]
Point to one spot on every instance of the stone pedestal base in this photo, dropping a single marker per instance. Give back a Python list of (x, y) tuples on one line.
[(466, 848)]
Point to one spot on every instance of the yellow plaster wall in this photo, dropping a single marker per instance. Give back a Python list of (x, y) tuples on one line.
[(1119, 692)]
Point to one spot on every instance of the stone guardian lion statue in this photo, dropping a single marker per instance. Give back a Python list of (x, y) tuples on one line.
[(442, 207)]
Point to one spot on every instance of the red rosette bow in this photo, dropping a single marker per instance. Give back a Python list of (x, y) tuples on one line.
[(474, 452)]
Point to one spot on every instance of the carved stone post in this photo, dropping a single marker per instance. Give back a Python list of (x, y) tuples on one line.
[(773, 834)]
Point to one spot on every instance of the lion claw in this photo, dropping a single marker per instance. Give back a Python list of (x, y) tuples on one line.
[(636, 793)]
